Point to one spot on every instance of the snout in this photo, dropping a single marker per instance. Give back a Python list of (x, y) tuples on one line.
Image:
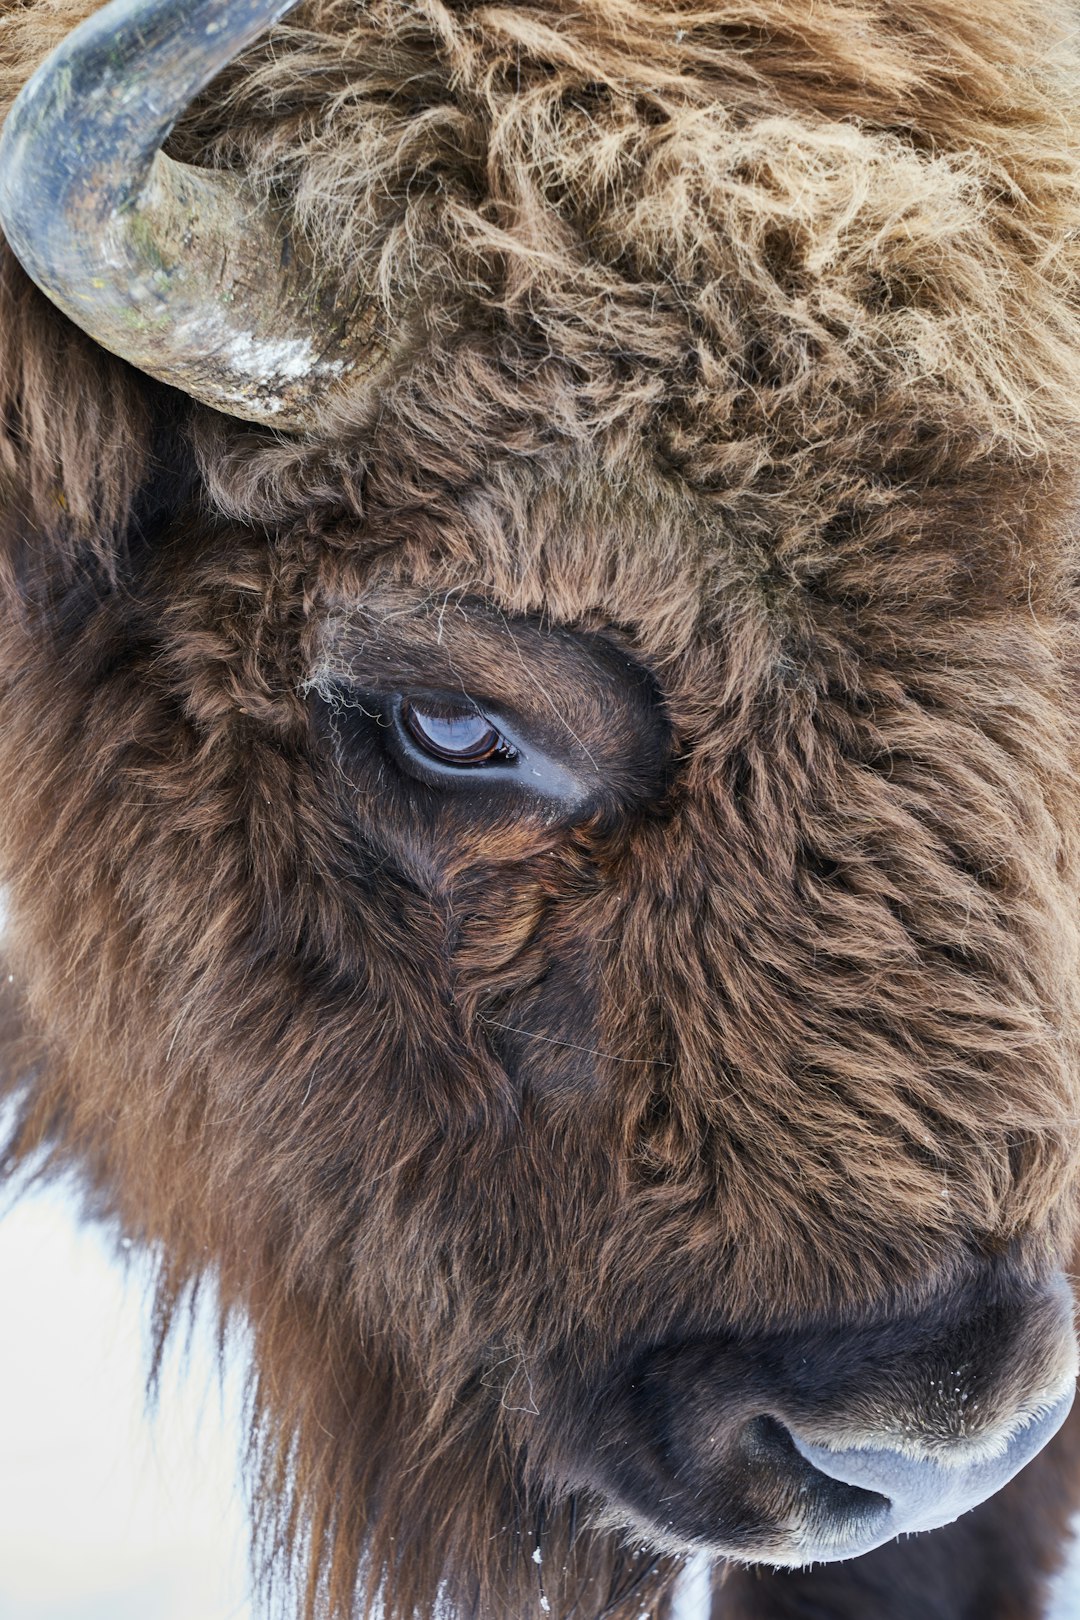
[(823, 1444), (922, 1493)]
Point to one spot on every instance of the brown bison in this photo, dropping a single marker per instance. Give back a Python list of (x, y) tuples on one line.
[(539, 769)]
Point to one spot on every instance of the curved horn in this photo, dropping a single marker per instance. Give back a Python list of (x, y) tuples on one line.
[(175, 268)]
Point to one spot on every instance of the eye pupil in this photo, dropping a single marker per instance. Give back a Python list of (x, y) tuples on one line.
[(466, 737)]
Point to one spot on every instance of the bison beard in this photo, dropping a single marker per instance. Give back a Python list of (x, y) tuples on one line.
[(552, 883)]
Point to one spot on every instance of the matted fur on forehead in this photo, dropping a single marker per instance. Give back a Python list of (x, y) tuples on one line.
[(793, 251)]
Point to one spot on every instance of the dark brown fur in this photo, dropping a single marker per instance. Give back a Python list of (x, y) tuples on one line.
[(746, 337)]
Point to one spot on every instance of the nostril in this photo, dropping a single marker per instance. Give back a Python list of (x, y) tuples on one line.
[(774, 1443)]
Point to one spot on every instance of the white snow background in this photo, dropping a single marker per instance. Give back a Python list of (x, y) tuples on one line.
[(109, 1511)]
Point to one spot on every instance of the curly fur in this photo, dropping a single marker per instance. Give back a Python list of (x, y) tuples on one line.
[(749, 332)]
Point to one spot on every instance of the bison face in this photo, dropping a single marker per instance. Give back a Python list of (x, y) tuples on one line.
[(621, 1062), (755, 1036), (724, 974), (555, 885), (623, 1066)]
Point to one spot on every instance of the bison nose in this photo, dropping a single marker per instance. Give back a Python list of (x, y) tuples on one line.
[(925, 1492), (823, 1442)]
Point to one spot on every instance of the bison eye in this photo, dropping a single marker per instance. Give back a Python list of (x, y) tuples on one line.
[(454, 735)]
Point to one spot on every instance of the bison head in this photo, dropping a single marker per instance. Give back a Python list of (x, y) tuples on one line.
[(553, 881)]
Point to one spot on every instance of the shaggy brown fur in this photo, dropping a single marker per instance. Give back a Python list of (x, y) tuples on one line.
[(745, 337)]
